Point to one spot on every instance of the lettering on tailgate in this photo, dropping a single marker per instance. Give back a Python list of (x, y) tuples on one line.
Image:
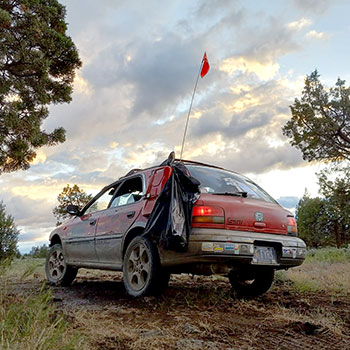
[(233, 221)]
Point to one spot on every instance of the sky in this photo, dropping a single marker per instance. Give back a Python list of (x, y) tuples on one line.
[(132, 94)]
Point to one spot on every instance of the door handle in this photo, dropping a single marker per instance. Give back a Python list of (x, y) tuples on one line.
[(130, 214), (93, 222)]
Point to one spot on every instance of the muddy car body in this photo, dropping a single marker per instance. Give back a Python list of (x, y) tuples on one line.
[(237, 230)]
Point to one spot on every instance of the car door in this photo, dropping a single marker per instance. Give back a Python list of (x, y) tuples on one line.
[(80, 242), (159, 177), (124, 209)]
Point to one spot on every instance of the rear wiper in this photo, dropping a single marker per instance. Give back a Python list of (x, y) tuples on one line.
[(235, 194)]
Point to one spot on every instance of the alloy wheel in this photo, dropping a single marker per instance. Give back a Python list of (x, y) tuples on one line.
[(138, 267), (56, 265)]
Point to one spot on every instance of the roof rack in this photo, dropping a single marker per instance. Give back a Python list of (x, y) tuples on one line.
[(198, 163), (133, 171)]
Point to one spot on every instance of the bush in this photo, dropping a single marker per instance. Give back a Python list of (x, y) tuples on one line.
[(330, 255), (39, 252), (8, 236)]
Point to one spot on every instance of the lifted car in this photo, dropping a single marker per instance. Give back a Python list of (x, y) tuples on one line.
[(237, 230)]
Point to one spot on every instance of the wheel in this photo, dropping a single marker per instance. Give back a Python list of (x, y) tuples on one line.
[(251, 283), (141, 268), (57, 271)]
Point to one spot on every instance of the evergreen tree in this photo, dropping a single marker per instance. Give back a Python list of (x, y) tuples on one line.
[(69, 195), (8, 236), (39, 252), (336, 191), (314, 226), (320, 123), (37, 65)]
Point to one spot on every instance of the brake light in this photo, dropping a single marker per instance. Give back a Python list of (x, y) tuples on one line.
[(292, 226), (208, 214)]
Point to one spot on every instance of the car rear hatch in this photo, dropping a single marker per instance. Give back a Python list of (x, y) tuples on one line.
[(245, 214), (234, 202)]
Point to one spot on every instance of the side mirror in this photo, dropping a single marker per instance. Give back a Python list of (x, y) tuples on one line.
[(73, 209)]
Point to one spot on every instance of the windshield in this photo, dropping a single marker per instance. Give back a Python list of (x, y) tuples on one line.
[(224, 182)]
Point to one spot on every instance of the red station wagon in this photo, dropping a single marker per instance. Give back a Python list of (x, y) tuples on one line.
[(237, 230)]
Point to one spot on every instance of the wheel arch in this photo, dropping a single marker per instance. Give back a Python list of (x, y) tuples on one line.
[(55, 239), (135, 231)]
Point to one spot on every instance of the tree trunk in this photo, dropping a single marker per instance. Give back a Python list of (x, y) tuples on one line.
[(338, 234)]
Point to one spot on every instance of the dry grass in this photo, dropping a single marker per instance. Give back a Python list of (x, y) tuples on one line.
[(307, 308), (25, 269), (333, 278), (28, 318)]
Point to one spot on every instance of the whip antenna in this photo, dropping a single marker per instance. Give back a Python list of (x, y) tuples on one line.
[(203, 70)]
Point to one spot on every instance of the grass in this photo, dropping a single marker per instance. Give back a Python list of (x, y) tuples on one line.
[(333, 278), (194, 313), (25, 268), (31, 320), (326, 269), (328, 255)]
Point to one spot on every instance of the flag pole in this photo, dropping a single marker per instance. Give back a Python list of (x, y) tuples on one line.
[(189, 111)]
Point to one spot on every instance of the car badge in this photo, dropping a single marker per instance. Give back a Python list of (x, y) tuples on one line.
[(259, 216)]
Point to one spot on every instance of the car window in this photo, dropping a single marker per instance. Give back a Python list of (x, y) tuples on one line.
[(215, 180), (129, 192), (102, 202)]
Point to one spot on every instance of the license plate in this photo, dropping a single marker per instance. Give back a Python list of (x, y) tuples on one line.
[(264, 255)]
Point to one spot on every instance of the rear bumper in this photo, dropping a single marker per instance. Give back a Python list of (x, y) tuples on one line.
[(234, 248)]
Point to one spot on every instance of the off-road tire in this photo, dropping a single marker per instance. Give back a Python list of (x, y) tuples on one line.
[(57, 271), (251, 283), (141, 268)]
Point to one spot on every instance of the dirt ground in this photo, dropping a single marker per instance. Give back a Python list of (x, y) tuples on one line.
[(200, 313)]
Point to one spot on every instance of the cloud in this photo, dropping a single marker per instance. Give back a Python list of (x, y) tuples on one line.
[(28, 211), (131, 97), (81, 85), (289, 202), (209, 9), (300, 24), (263, 70), (160, 73), (316, 35), (314, 6)]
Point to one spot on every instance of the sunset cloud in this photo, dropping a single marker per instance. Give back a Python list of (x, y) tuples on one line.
[(132, 94), (316, 35), (300, 24)]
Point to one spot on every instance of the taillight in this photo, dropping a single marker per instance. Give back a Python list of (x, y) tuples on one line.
[(208, 214), (292, 226)]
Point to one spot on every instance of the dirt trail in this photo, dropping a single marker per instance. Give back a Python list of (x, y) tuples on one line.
[(201, 313)]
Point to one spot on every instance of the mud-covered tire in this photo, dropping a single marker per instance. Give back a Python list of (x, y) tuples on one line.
[(56, 268), (141, 268), (251, 283)]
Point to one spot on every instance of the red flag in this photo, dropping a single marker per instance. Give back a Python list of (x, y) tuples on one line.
[(205, 66)]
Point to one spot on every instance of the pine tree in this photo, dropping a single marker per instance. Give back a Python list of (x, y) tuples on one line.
[(320, 123), (8, 235), (69, 195), (37, 66)]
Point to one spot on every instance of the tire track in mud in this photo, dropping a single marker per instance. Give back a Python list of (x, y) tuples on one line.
[(201, 313)]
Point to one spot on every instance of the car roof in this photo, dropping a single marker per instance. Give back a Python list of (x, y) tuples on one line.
[(138, 171), (192, 162), (184, 161)]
